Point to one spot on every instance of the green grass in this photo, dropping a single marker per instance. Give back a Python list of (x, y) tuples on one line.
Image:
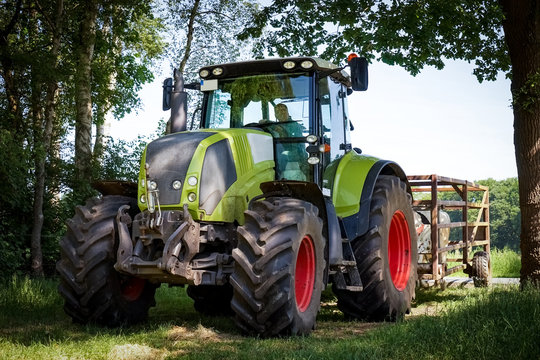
[(499, 322), (504, 263)]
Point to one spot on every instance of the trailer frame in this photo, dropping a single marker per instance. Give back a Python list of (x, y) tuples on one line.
[(473, 234)]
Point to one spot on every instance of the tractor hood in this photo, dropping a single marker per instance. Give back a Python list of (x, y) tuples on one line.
[(212, 171)]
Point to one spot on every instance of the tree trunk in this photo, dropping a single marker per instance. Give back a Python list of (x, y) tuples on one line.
[(83, 93), (42, 145), (38, 154), (522, 33), (103, 110)]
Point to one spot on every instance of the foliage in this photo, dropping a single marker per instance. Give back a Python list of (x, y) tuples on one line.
[(37, 121), (505, 218), (122, 159), (452, 324), (412, 34), (211, 39)]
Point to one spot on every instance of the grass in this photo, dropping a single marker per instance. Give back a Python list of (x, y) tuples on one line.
[(504, 263), (499, 322)]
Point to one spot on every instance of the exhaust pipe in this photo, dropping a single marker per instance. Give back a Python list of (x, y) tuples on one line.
[(178, 104)]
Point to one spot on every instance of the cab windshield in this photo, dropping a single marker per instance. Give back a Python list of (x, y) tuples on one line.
[(260, 100)]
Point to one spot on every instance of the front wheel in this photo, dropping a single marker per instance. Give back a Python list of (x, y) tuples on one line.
[(386, 257), (279, 266), (92, 289)]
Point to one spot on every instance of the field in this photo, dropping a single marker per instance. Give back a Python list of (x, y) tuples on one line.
[(498, 322)]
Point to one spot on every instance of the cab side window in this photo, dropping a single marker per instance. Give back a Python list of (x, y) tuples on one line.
[(331, 96)]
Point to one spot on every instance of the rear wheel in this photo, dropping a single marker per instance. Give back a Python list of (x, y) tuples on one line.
[(279, 265), (481, 269), (92, 289), (386, 257)]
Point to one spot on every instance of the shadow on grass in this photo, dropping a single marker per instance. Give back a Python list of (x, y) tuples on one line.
[(472, 323), (31, 312)]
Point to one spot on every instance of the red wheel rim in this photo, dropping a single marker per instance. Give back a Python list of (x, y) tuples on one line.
[(304, 276), (132, 288), (399, 250)]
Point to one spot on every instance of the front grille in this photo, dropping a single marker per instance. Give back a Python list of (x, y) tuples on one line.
[(168, 159)]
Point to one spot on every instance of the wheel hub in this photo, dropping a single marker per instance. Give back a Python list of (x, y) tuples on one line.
[(304, 276), (399, 250), (132, 288)]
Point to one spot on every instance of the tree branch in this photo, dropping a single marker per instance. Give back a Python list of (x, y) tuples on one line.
[(190, 31)]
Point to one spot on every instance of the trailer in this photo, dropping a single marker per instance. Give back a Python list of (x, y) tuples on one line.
[(442, 204)]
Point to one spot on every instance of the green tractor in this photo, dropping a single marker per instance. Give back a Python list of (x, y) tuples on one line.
[(257, 211)]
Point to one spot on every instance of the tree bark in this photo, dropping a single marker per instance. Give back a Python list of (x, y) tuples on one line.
[(42, 144), (83, 93), (522, 32)]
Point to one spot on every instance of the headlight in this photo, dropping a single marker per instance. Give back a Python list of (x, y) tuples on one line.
[(217, 71), (192, 181), (192, 197), (152, 185), (177, 184), (289, 65), (306, 64), (204, 73), (313, 160)]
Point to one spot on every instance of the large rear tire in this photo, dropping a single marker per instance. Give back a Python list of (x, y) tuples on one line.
[(92, 289), (386, 257), (279, 266)]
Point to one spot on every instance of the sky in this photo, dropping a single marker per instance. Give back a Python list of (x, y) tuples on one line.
[(440, 122)]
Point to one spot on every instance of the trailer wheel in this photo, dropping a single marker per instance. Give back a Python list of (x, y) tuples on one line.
[(386, 257), (92, 289), (279, 265), (211, 300), (481, 269)]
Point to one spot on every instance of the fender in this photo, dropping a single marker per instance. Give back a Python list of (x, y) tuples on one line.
[(354, 178), (116, 187)]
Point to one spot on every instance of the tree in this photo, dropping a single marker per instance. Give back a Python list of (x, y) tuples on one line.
[(59, 64), (496, 36), (203, 32)]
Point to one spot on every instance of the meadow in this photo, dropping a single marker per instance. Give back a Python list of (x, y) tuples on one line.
[(456, 323)]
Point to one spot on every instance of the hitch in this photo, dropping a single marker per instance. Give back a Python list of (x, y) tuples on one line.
[(179, 237)]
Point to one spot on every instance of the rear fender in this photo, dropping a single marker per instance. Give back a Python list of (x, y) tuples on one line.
[(352, 181)]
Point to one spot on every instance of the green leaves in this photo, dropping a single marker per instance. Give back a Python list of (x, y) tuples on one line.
[(412, 34)]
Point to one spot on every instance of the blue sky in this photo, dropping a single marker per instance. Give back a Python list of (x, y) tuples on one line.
[(439, 122)]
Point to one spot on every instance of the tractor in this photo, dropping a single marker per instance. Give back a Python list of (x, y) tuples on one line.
[(257, 211)]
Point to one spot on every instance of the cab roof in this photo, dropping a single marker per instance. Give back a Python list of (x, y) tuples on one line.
[(276, 65)]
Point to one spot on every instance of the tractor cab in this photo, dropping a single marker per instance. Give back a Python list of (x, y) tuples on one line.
[(301, 102)]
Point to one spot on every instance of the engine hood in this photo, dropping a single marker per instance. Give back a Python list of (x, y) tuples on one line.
[(205, 167)]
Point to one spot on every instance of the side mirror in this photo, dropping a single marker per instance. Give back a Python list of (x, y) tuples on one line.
[(167, 90), (359, 73)]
